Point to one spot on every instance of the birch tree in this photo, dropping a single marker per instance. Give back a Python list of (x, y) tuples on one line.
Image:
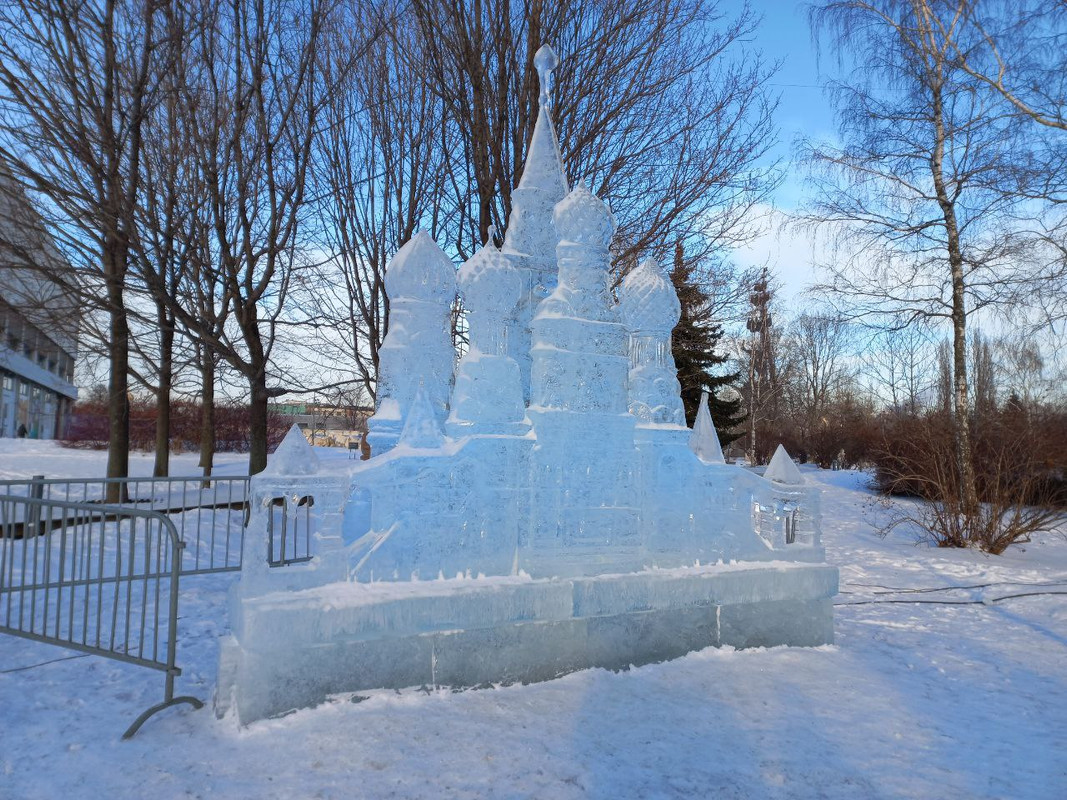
[(923, 193)]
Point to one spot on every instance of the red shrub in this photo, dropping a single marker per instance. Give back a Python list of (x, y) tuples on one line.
[(89, 426)]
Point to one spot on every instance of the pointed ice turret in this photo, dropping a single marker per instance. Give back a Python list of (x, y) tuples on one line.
[(488, 393), (782, 469), (650, 309), (530, 239), (704, 441), (421, 429), (293, 456), (421, 283)]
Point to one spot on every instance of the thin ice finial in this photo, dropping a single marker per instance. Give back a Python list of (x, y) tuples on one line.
[(545, 60)]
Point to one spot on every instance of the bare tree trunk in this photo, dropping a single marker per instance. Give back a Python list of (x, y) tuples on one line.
[(258, 412), (961, 406), (166, 382), (258, 393), (118, 407), (207, 409)]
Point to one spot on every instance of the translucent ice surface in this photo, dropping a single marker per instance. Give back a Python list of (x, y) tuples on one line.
[(556, 446), (537, 506)]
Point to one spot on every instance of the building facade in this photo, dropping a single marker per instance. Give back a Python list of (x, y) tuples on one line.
[(36, 379), (38, 325)]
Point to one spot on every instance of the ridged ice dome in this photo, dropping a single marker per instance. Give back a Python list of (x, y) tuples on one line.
[(489, 282), (421, 271), (647, 299), (583, 217)]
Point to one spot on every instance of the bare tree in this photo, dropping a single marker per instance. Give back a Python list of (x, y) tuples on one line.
[(258, 93), (1018, 49), (659, 107), (1029, 370), (820, 344), (171, 204), (379, 179), (985, 377), (897, 361), (76, 83), (924, 189)]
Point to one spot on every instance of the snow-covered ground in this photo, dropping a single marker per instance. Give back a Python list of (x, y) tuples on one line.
[(916, 699), (22, 458)]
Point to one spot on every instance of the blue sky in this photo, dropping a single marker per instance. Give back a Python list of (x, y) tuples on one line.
[(804, 110)]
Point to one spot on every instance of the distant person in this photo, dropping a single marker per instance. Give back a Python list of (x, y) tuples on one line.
[(21, 433)]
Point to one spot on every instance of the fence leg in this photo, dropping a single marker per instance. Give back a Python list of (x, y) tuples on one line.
[(172, 671), (168, 701)]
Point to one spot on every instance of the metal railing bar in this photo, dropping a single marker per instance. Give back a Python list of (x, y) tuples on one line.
[(88, 648), (129, 586), (144, 589), (85, 576), (92, 513), (47, 578), (115, 598), (73, 569), (229, 521), (155, 606), (100, 582)]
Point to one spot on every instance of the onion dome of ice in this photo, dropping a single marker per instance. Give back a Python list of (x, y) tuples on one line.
[(647, 300), (421, 271), (489, 282), (584, 218)]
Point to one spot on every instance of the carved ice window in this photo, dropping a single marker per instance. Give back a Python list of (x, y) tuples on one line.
[(289, 530)]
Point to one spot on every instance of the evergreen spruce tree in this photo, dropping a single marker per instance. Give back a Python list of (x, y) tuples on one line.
[(693, 344)]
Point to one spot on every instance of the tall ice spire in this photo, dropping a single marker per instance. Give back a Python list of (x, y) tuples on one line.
[(543, 169), (530, 240)]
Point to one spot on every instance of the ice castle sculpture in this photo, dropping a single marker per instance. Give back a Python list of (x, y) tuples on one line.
[(538, 507)]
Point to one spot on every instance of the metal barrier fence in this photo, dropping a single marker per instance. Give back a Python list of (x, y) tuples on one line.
[(98, 578), (209, 514)]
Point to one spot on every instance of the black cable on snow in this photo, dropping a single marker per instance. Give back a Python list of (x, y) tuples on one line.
[(949, 602), (911, 590)]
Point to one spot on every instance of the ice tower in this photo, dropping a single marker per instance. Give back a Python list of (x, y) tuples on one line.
[(537, 507), (583, 518), (421, 283), (530, 240)]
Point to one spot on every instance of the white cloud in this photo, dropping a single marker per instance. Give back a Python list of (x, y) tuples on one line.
[(790, 251)]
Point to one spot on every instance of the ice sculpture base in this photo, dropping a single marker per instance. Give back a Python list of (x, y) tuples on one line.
[(292, 650)]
